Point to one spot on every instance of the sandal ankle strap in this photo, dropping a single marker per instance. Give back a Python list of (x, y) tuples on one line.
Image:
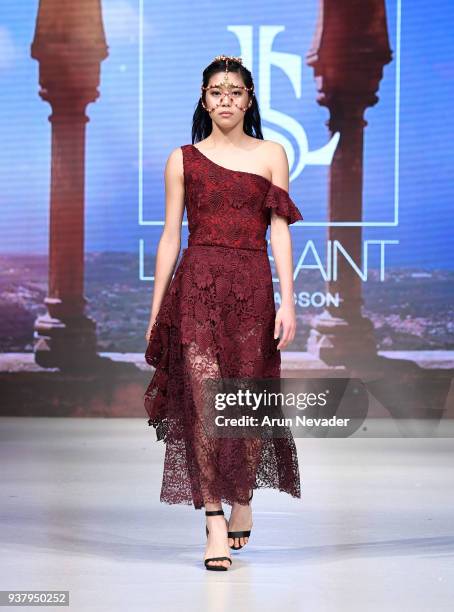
[(213, 512)]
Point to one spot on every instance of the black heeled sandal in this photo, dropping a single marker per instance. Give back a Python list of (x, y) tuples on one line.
[(215, 567), (240, 534)]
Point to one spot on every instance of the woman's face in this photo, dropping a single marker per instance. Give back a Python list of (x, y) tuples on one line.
[(226, 99)]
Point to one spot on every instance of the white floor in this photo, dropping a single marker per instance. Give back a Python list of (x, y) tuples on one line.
[(80, 511)]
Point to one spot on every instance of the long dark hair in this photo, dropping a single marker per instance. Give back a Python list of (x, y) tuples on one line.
[(202, 124)]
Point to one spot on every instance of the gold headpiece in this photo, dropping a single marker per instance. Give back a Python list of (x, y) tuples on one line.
[(227, 58), (226, 83)]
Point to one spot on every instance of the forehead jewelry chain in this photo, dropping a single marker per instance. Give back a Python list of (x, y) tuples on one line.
[(226, 84)]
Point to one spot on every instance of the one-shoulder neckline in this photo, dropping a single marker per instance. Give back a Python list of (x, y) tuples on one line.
[(236, 171)]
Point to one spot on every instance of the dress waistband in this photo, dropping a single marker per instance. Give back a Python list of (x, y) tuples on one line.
[(223, 246)]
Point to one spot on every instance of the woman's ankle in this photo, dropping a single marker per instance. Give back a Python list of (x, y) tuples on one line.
[(209, 506)]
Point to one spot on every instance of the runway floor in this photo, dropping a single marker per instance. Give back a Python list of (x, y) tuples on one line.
[(80, 511)]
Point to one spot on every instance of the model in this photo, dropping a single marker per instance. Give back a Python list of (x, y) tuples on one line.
[(216, 318)]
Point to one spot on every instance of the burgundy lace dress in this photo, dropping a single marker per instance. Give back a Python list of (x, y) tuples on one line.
[(216, 320)]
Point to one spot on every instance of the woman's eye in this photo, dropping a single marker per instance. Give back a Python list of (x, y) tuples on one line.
[(235, 93)]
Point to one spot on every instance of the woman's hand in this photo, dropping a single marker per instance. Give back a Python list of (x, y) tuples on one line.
[(286, 316), (150, 325)]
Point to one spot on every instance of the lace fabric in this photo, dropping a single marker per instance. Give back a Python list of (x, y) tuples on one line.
[(216, 320)]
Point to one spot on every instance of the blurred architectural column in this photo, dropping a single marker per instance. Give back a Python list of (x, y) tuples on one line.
[(69, 44), (348, 53)]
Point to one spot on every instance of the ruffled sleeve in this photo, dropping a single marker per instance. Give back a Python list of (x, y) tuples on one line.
[(279, 200)]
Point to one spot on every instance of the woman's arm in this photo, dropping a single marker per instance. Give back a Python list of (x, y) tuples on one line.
[(170, 241), (281, 246)]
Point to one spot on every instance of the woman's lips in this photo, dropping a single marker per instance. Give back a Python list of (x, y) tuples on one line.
[(226, 114)]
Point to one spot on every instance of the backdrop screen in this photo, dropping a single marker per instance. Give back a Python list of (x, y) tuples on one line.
[(149, 85)]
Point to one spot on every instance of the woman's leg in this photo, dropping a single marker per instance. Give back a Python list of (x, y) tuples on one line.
[(201, 365)]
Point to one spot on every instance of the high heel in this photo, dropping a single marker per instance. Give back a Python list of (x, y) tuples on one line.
[(220, 568), (240, 534)]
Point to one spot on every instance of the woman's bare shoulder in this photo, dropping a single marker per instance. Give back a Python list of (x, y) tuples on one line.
[(174, 164), (277, 162), (273, 149), (175, 155), (275, 159)]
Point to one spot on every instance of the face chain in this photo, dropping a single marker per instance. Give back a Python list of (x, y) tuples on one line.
[(227, 85)]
